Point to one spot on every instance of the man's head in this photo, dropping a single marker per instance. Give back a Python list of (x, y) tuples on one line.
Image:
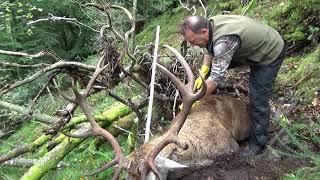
[(195, 30)]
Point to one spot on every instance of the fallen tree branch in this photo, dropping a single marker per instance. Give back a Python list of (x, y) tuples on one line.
[(24, 149), (25, 111), (83, 135), (15, 65), (43, 53), (52, 158), (57, 65), (22, 162)]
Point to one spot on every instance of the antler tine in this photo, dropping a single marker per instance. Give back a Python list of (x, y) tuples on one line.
[(171, 136), (185, 66), (202, 92), (174, 79)]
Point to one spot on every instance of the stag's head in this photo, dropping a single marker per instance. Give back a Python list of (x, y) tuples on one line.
[(142, 161)]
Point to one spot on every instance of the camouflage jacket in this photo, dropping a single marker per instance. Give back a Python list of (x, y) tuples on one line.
[(221, 52)]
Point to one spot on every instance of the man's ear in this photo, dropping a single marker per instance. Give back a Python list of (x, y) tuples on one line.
[(205, 32)]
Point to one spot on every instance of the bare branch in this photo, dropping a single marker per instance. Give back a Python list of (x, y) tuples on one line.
[(134, 78), (53, 18), (57, 65), (43, 53), (84, 135), (104, 167), (27, 162), (38, 117), (186, 6), (41, 90), (72, 100), (204, 8), (125, 39), (15, 65)]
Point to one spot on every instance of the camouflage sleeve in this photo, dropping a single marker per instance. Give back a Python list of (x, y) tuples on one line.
[(223, 49)]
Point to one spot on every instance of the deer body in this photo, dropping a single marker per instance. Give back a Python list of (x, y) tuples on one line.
[(210, 131)]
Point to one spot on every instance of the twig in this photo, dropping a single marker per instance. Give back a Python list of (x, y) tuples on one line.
[(189, 9), (40, 92), (83, 135), (57, 65), (204, 8), (31, 56), (38, 117), (124, 130), (53, 18), (15, 65)]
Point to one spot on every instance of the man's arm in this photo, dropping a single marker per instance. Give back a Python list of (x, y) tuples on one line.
[(223, 49), (207, 60)]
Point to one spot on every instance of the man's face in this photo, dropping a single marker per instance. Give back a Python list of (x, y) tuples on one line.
[(200, 39)]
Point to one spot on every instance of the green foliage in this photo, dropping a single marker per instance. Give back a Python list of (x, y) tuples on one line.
[(13, 12), (28, 133), (87, 157), (157, 7), (303, 73), (310, 173), (298, 134), (290, 17), (169, 30)]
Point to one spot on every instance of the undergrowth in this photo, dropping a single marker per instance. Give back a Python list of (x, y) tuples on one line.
[(302, 74), (301, 138)]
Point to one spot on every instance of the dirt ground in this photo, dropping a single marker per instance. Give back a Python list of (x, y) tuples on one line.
[(265, 166)]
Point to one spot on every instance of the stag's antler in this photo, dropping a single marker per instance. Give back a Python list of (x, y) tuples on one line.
[(80, 99), (171, 136)]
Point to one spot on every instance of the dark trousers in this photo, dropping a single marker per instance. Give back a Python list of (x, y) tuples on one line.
[(260, 85), (261, 80)]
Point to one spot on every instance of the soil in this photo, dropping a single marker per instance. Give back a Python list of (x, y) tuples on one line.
[(267, 165)]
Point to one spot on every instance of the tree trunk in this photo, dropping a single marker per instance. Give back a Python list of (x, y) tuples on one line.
[(27, 148), (25, 111), (21, 162), (52, 158)]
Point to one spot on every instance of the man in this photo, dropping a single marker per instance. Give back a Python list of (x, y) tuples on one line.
[(231, 41)]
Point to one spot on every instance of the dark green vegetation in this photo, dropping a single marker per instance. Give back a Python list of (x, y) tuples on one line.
[(297, 21)]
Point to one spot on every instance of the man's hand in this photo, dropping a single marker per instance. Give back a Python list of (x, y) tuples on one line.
[(203, 72), (211, 86), (193, 105)]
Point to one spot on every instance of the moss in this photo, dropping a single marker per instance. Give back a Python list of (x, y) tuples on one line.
[(303, 74), (52, 158), (169, 28), (297, 35), (26, 134), (289, 17)]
